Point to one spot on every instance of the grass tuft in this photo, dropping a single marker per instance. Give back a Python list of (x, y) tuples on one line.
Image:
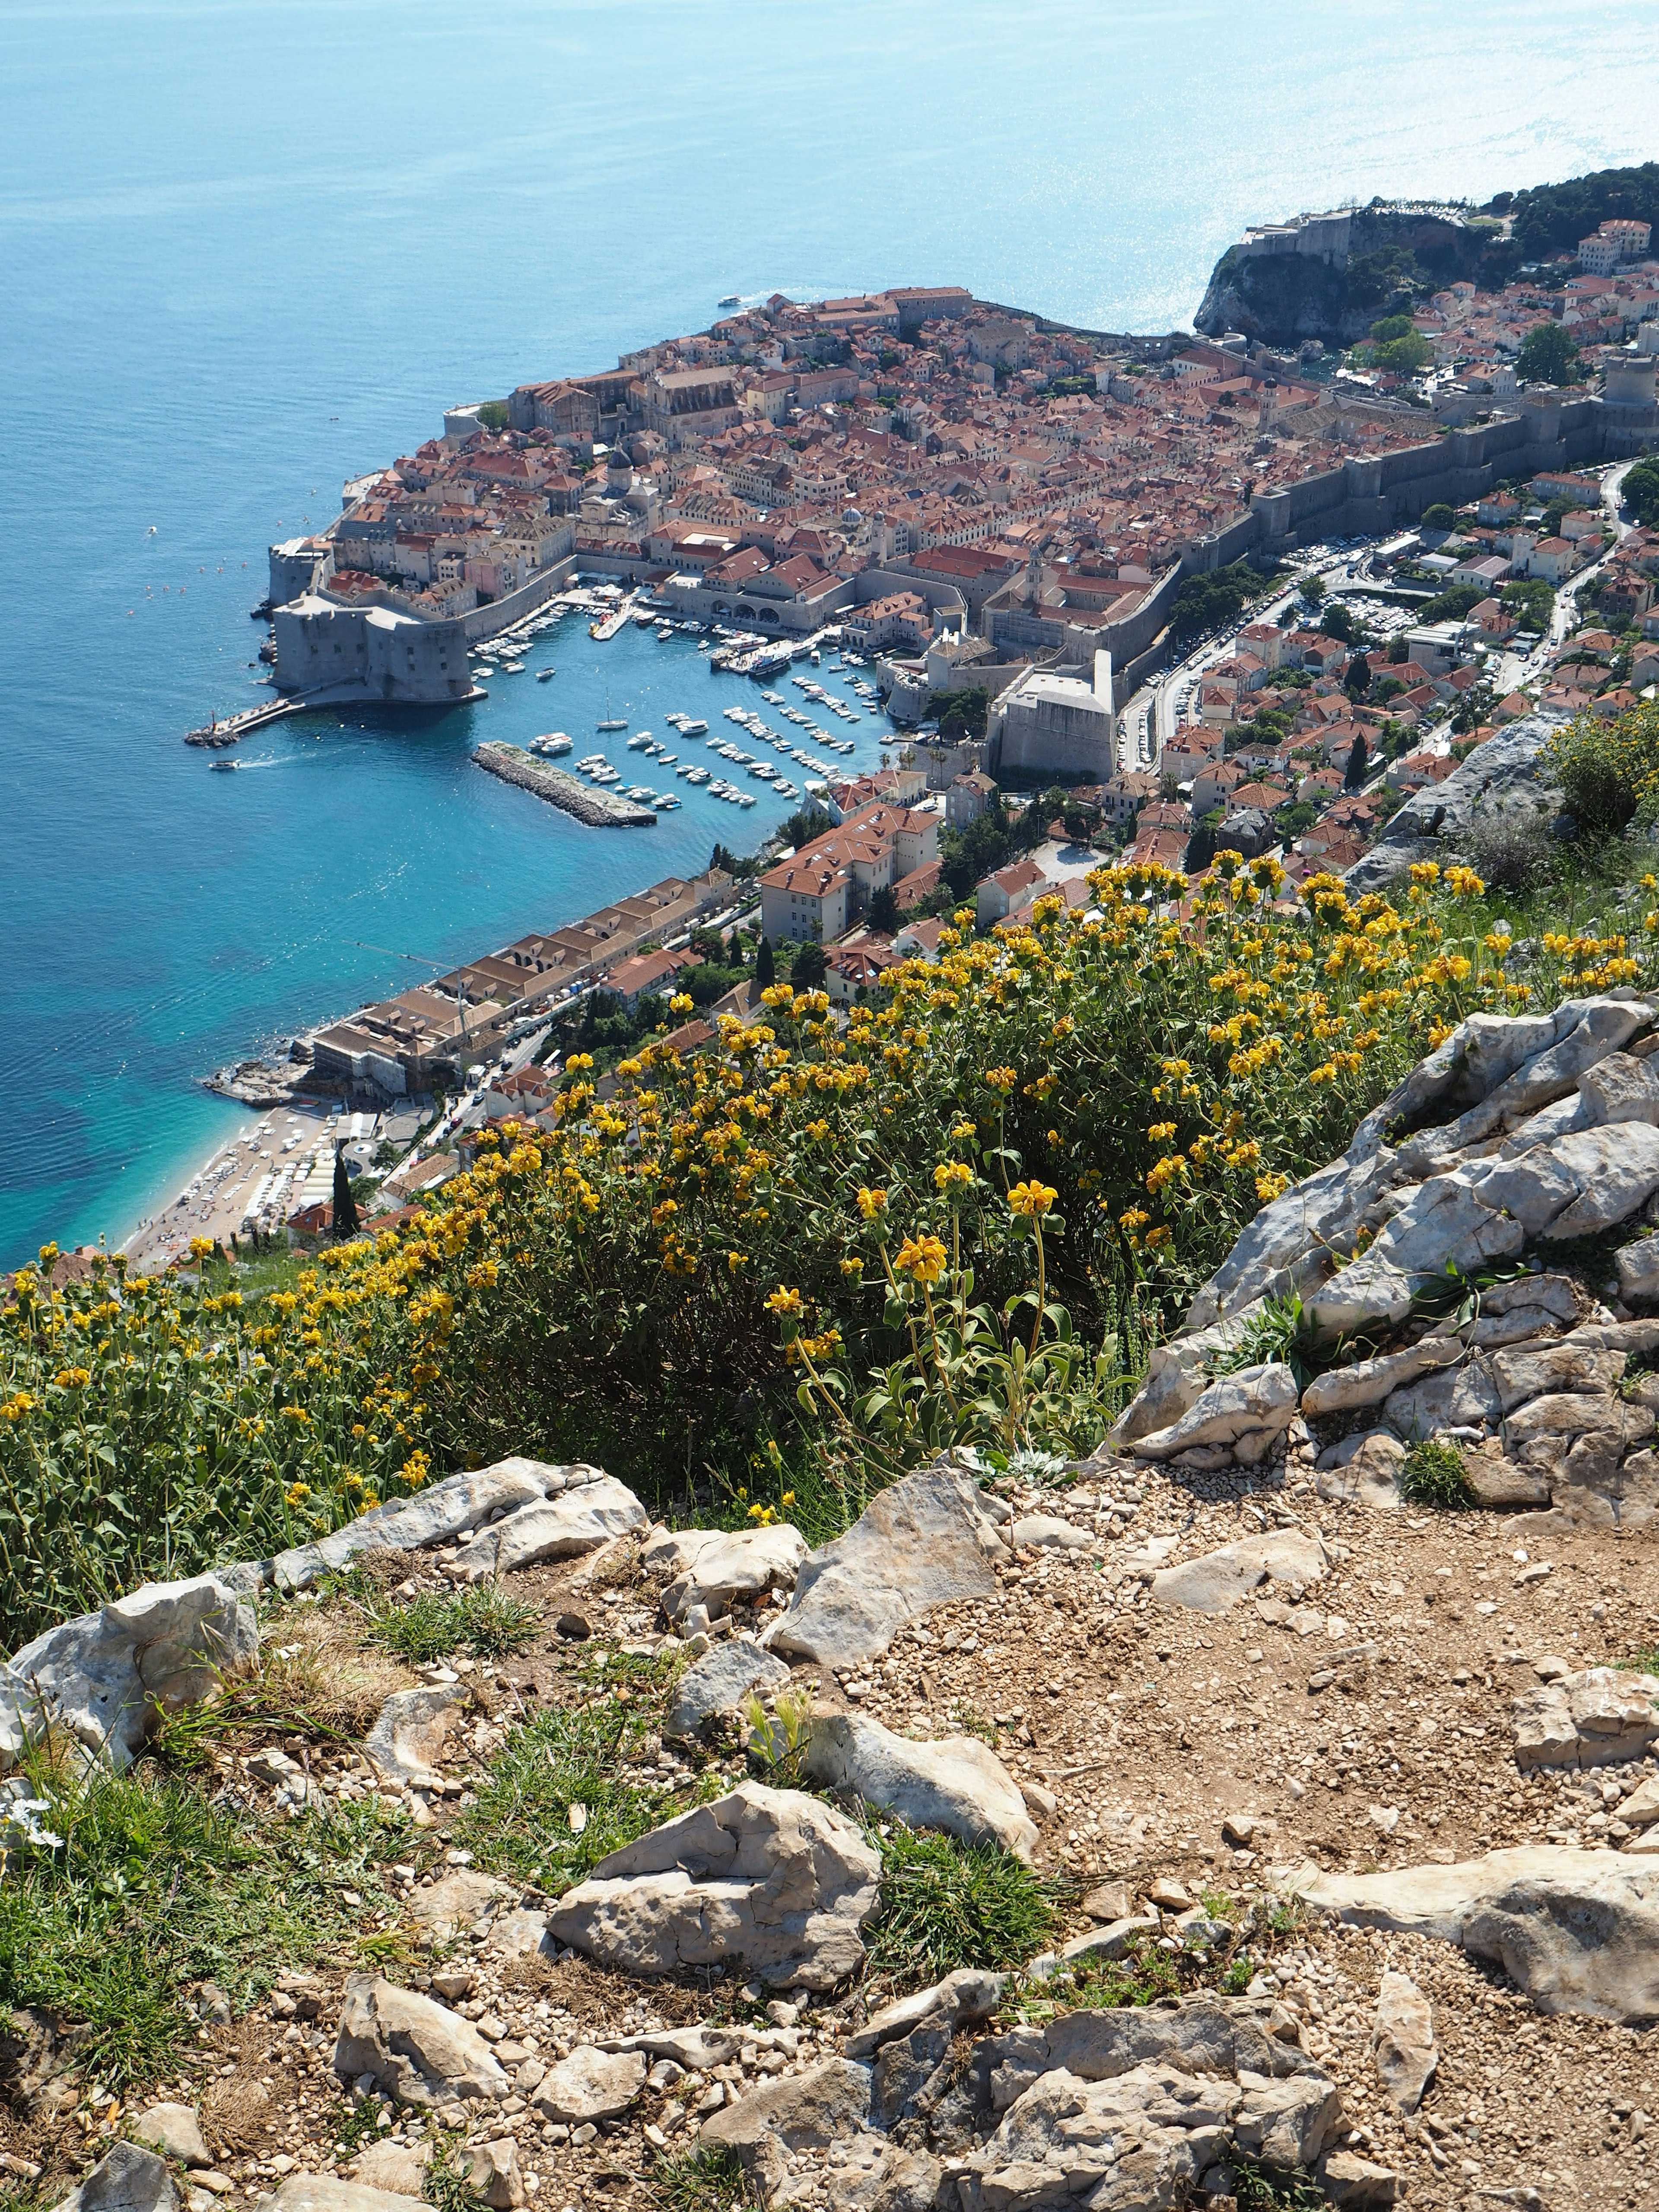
[(1258, 2188), (703, 2181), (946, 1904), (1432, 1475), (483, 1621), (586, 1757)]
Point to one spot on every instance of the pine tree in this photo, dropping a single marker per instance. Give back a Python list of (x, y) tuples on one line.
[(345, 1206)]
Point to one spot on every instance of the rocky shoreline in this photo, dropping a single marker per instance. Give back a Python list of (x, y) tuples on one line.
[(598, 809)]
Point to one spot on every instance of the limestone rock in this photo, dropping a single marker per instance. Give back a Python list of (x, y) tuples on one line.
[(408, 1737), (773, 1877), (417, 2050), (1200, 2035), (1559, 1363), (492, 2170), (323, 2192), (1048, 1532), (955, 1783), (580, 1519), (1641, 1808), (436, 1514), (1217, 1580), (518, 1935), (1369, 1382), (104, 1675), (924, 1542), (1357, 2183), (127, 2179), (1234, 1405), (721, 1564), (175, 2131), (397, 2169), (1462, 1397), (1363, 1470), (968, 1995), (907, 2181), (591, 2085), (1499, 1484), (719, 1683), (1603, 1717), (800, 2112), (1578, 1931), (457, 1903), (1402, 2040), (1638, 1270), (1114, 1941)]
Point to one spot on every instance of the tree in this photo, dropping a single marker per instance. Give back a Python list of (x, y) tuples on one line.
[(1359, 677), (1338, 622), (493, 415), (345, 1206), (883, 910), (1311, 590), (1354, 775), (1439, 517), (1640, 491), (809, 966), (766, 971), (1547, 355)]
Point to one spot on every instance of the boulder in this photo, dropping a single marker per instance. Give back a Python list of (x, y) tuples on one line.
[(924, 1542), (591, 2085), (323, 2192), (459, 1901), (409, 1735), (395, 2169), (175, 2131), (416, 2050), (1641, 1808), (1603, 1716), (580, 1519), (1357, 2183), (1498, 1483), (774, 1878), (1638, 1270), (436, 1514), (104, 1676), (1215, 1581), (1462, 1397), (1363, 1470), (1233, 1407), (955, 1783), (1578, 1931), (805, 2111), (969, 1994), (718, 1564), (1402, 2040), (1047, 1532), (519, 1934), (1369, 1382), (492, 2172), (1200, 2035), (1556, 1363), (126, 2179), (719, 1683)]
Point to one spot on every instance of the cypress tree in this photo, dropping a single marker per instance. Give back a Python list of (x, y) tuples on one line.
[(766, 971), (345, 1206)]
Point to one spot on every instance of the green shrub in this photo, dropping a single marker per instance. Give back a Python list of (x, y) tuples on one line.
[(1432, 1475), (946, 1904)]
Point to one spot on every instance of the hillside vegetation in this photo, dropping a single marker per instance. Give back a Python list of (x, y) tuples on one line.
[(781, 1271)]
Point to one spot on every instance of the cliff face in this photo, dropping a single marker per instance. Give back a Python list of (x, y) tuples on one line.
[(1393, 259)]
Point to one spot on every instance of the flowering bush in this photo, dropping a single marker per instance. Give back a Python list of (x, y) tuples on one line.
[(977, 1195)]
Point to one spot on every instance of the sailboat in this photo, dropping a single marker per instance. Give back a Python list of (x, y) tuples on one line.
[(611, 722)]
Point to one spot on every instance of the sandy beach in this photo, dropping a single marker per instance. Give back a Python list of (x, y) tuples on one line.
[(267, 1166)]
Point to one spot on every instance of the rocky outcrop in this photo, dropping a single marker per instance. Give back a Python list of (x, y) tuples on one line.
[(711, 1566), (810, 2112), (1518, 1135), (776, 1879), (418, 2051), (925, 1542), (1505, 780), (720, 1682), (104, 1677), (1603, 1716), (1577, 1930), (956, 1782)]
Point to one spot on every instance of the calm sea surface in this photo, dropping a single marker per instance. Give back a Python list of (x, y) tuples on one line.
[(246, 252)]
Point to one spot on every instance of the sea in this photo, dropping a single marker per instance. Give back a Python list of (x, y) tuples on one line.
[(248, 252)]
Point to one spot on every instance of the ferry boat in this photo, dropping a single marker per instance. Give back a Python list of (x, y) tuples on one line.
[(732, 299)]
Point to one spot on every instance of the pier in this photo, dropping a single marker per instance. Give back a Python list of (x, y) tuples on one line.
[(216, 734), (600, 809)]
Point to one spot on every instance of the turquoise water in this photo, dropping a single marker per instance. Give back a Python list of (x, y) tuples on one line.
[(248, 252)]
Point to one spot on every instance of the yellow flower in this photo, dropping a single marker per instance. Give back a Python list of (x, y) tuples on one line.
[(951, 1175), (872, 1202), (297, 1492), (72, 1378), (1031, 1199), (852, 1268), (784, 1301), (200, 1247), (922, 1258), (1001, 1079), (963, 1130), (680, 1003), (577, 1061), (734, 1260)]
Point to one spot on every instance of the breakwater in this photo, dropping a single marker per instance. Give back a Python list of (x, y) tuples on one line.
[(600, 809)]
